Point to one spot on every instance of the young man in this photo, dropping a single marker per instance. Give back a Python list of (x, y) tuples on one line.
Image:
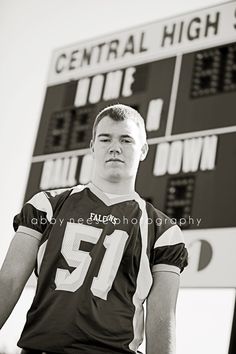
[(99, 251)]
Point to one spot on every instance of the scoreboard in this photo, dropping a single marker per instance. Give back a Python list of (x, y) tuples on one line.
[(180, 74)]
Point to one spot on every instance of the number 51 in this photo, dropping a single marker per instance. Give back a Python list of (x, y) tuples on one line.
[(114, 244)]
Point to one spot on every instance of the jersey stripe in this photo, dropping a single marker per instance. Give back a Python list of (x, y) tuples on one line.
[(165, 268), (41, 202), (144, 280), (40, 255), (31, 232), (78, 188), (170, 237)]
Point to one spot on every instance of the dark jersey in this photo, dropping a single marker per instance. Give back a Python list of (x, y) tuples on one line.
[(94, 268)]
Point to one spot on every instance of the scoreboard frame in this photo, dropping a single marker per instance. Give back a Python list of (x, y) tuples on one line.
[(191, 146)]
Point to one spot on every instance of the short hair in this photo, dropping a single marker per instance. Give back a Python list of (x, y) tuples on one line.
[(120, 112)]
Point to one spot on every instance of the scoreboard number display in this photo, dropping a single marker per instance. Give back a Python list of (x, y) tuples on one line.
[(180, 74)]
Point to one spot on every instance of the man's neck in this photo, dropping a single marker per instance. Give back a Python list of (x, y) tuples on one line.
[(122, 187)]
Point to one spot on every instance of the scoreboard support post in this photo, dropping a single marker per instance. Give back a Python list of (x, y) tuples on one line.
[(232, 345)]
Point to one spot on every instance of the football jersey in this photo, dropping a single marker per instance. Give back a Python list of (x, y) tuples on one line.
[(94, 266)]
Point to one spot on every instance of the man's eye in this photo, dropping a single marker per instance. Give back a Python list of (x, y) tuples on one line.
[(127, 140), (104, 140)]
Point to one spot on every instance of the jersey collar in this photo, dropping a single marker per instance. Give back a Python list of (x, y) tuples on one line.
[(110, 201)]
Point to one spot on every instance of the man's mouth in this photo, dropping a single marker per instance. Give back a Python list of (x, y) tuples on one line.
[(115, 160)]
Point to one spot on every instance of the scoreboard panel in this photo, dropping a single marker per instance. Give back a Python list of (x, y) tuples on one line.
[(180, 74), (206, 94), (61, 119)]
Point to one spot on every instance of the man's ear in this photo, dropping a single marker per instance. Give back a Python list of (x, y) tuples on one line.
[(91, 146), (144, 151)]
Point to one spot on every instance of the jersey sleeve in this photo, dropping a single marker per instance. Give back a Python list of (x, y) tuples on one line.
[(169, 251), (37, 212)]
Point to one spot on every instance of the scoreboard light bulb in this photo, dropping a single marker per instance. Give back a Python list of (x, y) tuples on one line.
[(172, 190)]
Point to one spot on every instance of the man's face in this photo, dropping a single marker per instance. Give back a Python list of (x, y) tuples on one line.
[(117, 149)]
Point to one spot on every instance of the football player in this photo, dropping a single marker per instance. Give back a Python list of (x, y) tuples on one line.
[(99, 251)]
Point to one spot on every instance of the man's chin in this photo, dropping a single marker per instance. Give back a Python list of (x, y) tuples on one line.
[(115, 176)]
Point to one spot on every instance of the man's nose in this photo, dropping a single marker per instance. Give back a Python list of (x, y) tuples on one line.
[(115, 147)]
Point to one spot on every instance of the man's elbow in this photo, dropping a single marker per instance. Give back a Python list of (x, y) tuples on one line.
[(165, 321), (166, 314), (11, 281), (160, 319)]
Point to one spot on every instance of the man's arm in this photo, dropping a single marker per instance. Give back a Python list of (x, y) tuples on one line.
[(16, 269), (160, 320)]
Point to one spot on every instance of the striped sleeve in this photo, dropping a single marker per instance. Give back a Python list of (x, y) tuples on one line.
[(34, 216), (37, 212), (169, 252)]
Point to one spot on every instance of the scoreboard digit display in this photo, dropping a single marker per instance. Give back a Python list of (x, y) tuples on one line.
[(180, 74)]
